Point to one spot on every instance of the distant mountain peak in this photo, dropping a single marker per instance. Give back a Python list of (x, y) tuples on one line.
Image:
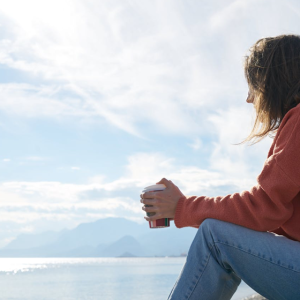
[(110, 237), (127, 254)]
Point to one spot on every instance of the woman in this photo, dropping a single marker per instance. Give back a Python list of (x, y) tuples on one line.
[(253, 235)]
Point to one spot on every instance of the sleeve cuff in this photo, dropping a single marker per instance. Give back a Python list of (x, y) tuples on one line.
[(178, 214)]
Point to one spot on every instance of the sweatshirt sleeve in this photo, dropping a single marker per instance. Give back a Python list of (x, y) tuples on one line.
[(267, 205)]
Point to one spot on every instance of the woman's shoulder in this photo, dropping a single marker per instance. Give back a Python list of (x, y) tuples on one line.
[(285, 148), (290, 121), (292, 113), (289, 130)]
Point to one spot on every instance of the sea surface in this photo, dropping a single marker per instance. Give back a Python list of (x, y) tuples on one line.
[(92, 278)]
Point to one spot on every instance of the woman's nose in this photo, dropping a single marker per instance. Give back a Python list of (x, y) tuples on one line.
[(250, 98)]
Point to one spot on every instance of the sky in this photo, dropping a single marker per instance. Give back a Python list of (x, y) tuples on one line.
[(99, 99)]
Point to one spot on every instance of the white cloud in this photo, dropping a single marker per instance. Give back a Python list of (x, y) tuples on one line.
[(233, 126), (75, 168), (132, 63), (32, 201), (9, 196), (166, 66), (6, 160), (32, 101), (35, 158), (27, 229), (197, 144)]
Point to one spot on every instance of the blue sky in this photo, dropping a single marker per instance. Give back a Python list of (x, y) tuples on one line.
[(101, 98)]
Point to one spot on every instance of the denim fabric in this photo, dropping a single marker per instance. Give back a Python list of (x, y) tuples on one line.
[(223, 253)]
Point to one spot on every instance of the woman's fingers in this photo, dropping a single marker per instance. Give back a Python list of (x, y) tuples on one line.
[(164, 181), (165, 201), (149, 211), (153, 218), (149, 201), (150, 195), (149, 208)]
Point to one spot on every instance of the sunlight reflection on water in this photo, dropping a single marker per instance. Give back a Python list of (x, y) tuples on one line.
[(28, 264), (87, 278)]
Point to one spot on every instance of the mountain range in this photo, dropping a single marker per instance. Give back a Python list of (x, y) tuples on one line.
[(110, 237)]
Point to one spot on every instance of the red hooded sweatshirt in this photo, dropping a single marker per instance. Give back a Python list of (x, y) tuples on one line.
[(273, 204)]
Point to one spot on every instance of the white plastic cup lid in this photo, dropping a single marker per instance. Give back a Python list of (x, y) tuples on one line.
[(155, 187)]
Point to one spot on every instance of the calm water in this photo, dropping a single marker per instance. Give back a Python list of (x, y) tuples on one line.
[(92, 278)]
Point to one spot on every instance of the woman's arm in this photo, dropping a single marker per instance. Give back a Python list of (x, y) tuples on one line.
[(265, 207)]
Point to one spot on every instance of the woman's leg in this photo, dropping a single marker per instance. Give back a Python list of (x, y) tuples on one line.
[(223, 253)]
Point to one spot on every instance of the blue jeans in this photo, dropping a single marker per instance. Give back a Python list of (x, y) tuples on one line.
[(223, 253)]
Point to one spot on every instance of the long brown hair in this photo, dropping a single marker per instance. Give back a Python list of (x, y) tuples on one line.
[(272, 70)]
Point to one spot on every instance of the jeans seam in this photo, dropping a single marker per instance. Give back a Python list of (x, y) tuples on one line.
[(257, 256), (201, 274)]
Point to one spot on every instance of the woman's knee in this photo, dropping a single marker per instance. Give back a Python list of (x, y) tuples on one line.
[(211, 224), (206, 229), (213, 229)]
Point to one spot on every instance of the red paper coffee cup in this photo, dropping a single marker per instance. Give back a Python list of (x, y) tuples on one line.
[(160, 223)]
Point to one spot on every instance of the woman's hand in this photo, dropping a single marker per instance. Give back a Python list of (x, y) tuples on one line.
[(163, 203)]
